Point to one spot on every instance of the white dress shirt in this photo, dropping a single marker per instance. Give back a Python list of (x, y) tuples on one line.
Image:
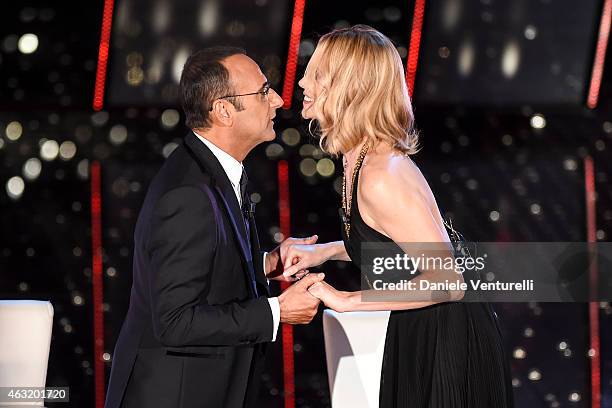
[(233, 169)]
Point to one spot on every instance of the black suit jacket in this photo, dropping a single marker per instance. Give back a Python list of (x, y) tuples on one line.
[(195, 333)]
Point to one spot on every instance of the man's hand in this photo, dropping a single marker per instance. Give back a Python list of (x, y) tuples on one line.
[(297, 305), (277, 259)]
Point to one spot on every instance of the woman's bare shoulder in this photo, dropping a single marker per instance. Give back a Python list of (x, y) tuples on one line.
[(398, 200), (391, 174)]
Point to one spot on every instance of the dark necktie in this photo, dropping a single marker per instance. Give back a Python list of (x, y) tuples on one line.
[(246, 207), (244, 180)]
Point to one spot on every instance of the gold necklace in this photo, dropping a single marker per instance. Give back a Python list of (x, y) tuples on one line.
[(346, 200)]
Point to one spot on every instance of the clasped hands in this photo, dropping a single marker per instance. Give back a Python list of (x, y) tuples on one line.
[(289, 262)]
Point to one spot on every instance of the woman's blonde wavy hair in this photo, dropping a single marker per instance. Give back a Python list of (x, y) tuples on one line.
[(363, 92)]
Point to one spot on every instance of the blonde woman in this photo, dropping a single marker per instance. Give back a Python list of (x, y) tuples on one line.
[(438, 353)]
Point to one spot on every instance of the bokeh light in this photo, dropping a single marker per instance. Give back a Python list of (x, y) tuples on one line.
[(28, 43), (15, 187)]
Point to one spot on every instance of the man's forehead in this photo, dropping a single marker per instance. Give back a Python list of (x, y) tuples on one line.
[(244, 71)]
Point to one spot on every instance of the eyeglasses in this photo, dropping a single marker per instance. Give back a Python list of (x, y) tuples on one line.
[(265, 90)]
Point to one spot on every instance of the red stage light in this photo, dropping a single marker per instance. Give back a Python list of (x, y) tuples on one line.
[(107, 22), (590, 196), (600, 54), (287, 329), (98, 293), (292, 55), (415, 44)]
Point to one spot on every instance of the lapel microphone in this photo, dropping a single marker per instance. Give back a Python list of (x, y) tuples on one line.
[(249, 210)]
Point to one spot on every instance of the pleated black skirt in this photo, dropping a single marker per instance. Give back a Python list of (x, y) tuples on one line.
[(448, 355)]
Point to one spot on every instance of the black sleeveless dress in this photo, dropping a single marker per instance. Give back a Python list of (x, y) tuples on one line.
[(449, 355)]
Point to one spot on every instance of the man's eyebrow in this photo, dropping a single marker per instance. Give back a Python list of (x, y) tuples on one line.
[(264, 85)]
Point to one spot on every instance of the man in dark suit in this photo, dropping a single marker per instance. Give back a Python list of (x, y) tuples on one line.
[(200, 312)]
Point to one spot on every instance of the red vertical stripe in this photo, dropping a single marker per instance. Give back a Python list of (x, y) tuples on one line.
[(415, 44), (590, 195), (283, 199), (600, 54), (98, 296), (292, 55), (283, 196), (107, 22), (287, 329)]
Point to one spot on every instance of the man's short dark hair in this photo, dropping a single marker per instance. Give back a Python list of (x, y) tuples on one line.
[(203, 80)]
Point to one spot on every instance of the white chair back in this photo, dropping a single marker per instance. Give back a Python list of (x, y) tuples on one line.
[(354, 345), (25, 339)]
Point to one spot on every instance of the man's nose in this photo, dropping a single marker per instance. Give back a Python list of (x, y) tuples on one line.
[(276, 101)]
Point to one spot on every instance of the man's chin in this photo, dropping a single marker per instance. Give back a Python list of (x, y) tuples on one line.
[(270, 136)]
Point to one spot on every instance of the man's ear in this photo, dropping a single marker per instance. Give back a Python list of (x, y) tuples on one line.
[(222, 113)]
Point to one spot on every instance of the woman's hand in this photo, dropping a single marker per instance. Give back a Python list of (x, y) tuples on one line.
[(275, 260), (334, 299), (299, 257)]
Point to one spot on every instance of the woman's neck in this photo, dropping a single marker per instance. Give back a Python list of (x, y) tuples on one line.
[(351, 156)]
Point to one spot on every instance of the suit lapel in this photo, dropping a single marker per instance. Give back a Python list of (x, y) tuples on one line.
[(209, 162), (237, 224), (259, 273)]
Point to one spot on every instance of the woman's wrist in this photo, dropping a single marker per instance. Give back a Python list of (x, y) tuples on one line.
[(348, 300), (333, 250)]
